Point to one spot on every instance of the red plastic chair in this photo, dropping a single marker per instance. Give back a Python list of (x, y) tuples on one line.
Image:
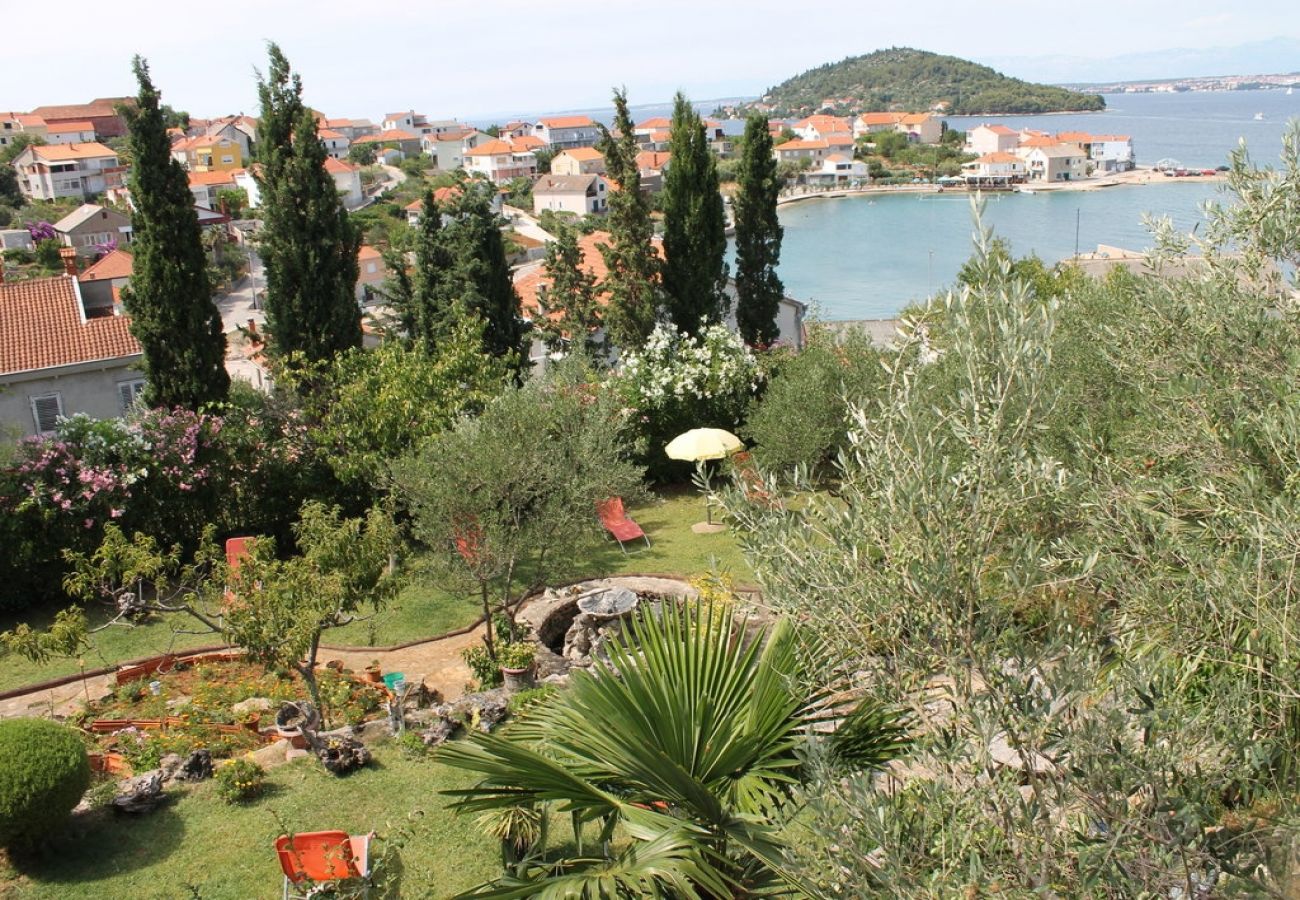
[(312, 858), (617, 523), (236, 549)]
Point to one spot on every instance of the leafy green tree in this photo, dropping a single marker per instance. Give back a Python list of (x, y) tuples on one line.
[(170, 298), (234, 201), (758, 236), (279, 609), (569, 307), (507, 501), (17, 144), (309, 245), (633, 281), (695, 239), (688, 738), (175, 118), (486, 287), (426, 307), (362, 154)]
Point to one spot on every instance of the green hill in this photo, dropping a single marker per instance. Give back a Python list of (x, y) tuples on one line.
[(901, 78)]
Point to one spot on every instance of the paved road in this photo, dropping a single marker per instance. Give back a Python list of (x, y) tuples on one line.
[(238, 307)]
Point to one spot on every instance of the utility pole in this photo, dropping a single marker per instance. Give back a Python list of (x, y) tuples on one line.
[(1078, 212)]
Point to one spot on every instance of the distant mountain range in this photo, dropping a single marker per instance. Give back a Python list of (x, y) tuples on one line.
[(909, 79), (1275, 55)]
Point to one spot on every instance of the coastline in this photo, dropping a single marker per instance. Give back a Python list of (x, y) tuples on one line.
[(1138, 177)]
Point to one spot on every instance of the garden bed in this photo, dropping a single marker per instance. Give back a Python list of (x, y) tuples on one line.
[(223, 703)]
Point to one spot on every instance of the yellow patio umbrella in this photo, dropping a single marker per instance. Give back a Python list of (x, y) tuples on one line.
[(698, 445)]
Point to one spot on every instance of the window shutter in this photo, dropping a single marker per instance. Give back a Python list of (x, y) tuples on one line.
[(129, 392), (46, 411)]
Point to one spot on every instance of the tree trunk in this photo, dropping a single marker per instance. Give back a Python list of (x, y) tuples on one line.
[(487, 621)]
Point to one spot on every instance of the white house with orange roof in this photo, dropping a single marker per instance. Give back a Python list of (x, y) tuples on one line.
[(206, 185), (208, 153), (994, 169), (799, 148), (815, 128), (1047, 159), (838, 169), (985, 138), (347, 178), (101, 284), (371, 273), (58, 358), (1106, 152), (564, 132), (70, 133), (447, 148), (336, 142), (13, 124), (578, 161), (444, 197), (581, 195), (502, 160), (55, 171)]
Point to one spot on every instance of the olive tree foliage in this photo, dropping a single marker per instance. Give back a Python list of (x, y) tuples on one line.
[(507, 501), (1063, 536)]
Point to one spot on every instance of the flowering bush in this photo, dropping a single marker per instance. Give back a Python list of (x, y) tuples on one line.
[(677, 382), (240, 780)]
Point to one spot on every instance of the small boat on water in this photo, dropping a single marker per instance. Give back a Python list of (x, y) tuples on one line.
[(1259, 117), (1290, 91)]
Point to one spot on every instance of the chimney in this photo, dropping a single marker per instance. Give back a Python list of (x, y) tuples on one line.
[(69, 257)]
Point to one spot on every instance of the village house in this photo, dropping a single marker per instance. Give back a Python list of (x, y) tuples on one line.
[(838, 169), (793, 151), (70, 133), (101, 284), (54, 171), (652, 164), (58, 358), (89, 226), (1053, 161), (994, 169), (515, 128), (565, 132), (351, 128), (206, 185), (336, 142), (817, 128), (444, 197), (581, 195), (578, 161), (346, 175), (209, 153), (13, 124), (984, 139), (447, 149), (501, 161), (1106, 152), (371, 273), (102, 115), (402, 142)]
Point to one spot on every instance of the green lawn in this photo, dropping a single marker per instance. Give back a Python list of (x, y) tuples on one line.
[(225, 852), (423, 610)]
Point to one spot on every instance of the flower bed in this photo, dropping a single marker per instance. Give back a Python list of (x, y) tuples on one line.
[(195, 706)]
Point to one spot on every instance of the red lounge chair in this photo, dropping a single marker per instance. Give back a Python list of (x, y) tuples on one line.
[(313, 858), (617, 523)]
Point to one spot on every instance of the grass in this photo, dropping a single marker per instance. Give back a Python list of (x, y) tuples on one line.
[(423, 610), (198, 846)]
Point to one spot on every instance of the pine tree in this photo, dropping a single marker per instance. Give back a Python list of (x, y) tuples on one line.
[(758, 237), (570, 297), (633, 279), (427, 314), (484, 285), (170, 298), (695, 239), (308, 243)]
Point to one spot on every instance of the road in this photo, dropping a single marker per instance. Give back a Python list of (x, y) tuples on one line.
[(238, 308)]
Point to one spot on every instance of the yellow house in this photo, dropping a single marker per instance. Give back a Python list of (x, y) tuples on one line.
[(209, 154)]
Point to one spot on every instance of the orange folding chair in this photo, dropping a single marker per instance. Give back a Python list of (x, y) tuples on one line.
[(618, 523), (311, 859)]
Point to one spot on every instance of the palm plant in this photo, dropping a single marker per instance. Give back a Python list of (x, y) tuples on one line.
[(687, 739)]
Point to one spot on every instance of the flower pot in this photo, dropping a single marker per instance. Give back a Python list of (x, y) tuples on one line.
[(374, 675), (518, 679)]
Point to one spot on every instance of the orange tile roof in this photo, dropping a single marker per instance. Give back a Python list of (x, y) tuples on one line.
[(999, 158), (583, 154), (69, 126), (493, 147), (27, 120), (208, 179), (385, 136), (42, 326), (75, 111), (117, 264), (328, 134), (654, 124), (1039, 142), (999, 129), (652, 159), (914, 118), (338, 166), (440, 195), (565, 121), (661, 137), (527, 142), (368, 252), (880, 118), (593, 262), (798, 144), (62, 152)]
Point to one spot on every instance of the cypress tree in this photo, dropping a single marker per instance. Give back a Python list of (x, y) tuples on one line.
[(633, 279), (309, 245), (485, 286), (758, 236), (429, 305), (695, 239), (571, 295), (170, 298)]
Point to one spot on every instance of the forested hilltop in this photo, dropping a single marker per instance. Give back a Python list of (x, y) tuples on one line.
[(915, 80)]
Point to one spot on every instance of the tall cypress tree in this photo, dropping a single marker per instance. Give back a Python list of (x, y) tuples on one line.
[(633, 279), (170, 299), (426, 314), (758, 236), (308, 243), (486, 287), (571, 296), (695, 239)]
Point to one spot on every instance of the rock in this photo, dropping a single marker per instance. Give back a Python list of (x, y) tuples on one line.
[(377, 730), (170, 766), (197, 767), (271, 755), (178, 703), (1003, 754), (252, 705), (140, 794), (491, 713), (342, 755), (294, 753), (439, 732)]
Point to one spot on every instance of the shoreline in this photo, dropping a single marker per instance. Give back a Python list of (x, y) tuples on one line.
[(1140, 177)]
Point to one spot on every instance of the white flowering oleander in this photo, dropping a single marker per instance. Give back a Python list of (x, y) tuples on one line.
[(714, 364)]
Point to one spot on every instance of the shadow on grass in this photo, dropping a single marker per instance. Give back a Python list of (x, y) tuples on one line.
[(102, 843)]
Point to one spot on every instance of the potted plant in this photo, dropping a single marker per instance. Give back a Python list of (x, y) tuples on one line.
[(516, 660), (374, 674)]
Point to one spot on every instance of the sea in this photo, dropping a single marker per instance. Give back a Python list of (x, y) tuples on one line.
[(867, 257)]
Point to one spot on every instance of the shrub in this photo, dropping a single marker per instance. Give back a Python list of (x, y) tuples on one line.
[(240, 780), (487, 672), (516, 655), (44, 771)]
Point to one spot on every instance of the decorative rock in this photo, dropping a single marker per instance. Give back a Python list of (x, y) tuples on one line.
[(376, 730), (198, 767), (251, 705), (491, 713), (170, 766), (341, 755), (140, 794), (294, 753), (439, 732), (271, 755)]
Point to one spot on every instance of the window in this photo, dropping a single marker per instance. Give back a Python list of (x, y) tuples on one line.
[(47, 409), (129, 393), (227, 159)]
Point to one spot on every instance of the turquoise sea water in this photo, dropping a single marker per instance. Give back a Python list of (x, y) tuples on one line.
[(866, 257)]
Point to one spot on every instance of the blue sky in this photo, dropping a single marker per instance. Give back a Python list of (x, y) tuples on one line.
[(472, 58)]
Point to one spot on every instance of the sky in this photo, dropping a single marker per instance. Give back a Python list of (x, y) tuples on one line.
[(472, 59)]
